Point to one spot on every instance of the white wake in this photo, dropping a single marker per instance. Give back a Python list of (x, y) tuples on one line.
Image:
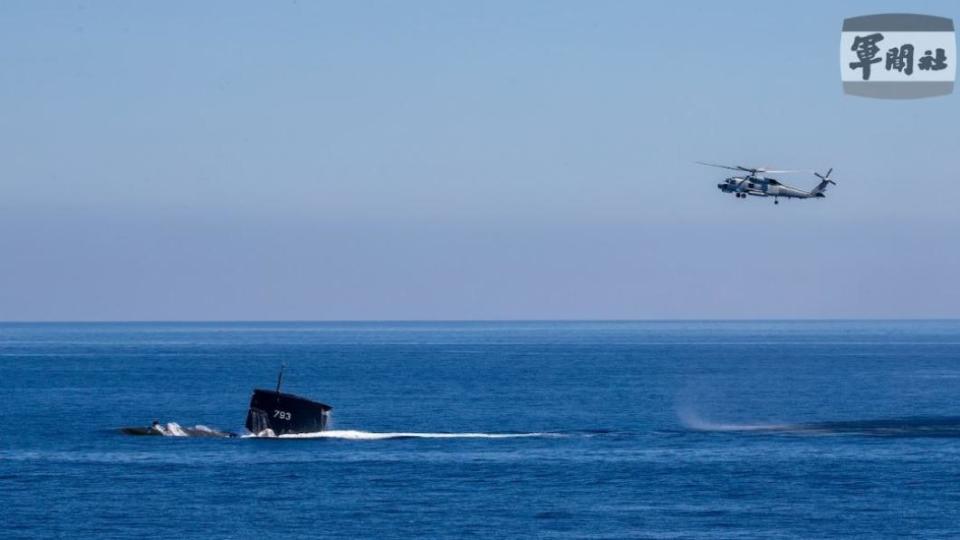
[(356, 435)]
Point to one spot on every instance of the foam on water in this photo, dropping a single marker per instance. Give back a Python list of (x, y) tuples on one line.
[(173, 429), (356, 435)]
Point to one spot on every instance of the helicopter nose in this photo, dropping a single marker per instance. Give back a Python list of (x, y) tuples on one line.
[(719, 186)]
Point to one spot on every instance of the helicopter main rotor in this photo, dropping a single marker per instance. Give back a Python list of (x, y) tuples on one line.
[(753, 170)]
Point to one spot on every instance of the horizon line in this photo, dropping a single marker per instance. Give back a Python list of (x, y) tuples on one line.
[(504, 320)]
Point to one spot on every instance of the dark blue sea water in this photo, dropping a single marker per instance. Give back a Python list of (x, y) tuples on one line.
[(487, 430)]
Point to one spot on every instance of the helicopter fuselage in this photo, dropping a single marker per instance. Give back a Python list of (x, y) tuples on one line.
[(758, 186)]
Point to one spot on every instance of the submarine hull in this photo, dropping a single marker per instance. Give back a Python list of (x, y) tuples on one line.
[(141, 431), (285, 413)]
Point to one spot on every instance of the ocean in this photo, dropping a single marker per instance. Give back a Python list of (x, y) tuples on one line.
[(700, 429)]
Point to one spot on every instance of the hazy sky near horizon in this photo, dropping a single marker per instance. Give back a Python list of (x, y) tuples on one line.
[(460, 160)]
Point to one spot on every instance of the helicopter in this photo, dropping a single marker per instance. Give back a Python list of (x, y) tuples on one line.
[(756, 184)]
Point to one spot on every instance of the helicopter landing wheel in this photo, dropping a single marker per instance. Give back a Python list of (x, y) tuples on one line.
[(776, 201)]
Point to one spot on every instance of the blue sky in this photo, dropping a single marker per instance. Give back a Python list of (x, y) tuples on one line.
[(439, 160)]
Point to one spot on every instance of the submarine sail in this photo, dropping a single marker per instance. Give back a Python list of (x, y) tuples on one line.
[(285, 413)]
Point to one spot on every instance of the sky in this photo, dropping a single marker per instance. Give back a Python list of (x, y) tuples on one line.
[(460, 160)]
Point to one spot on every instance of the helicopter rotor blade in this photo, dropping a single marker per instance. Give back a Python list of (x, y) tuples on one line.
[(735, 168), (782, 171), (753, 170)]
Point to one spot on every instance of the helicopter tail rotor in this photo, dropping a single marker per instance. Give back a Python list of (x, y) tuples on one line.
[(825, 177), (822, 186)]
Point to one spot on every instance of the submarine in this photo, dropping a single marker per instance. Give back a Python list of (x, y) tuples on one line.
[(271, 413), (284, 414)]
